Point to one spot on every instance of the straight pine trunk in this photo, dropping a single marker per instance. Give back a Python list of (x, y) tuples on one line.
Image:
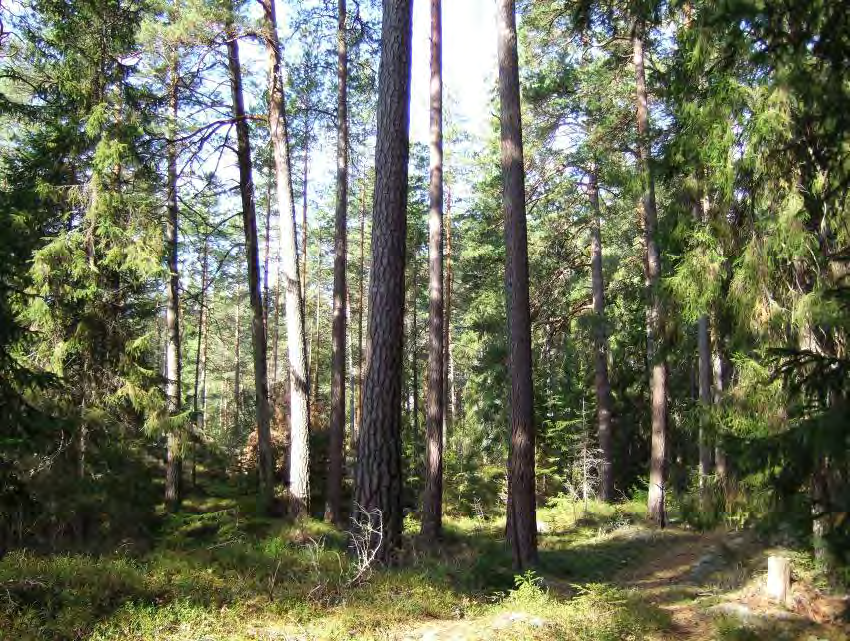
[(522, 509), (379, 468), (258, 329), (237, 365), (449, 408), (200, 359), (313, 355), (704, 348), (299, 402), (305, 200), (266, 256), (432, 504), (652, 264), (361, 317), (602, 384), (333, 511), (719, 368), (174, 461)]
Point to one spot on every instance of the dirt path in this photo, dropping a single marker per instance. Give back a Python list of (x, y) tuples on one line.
[(670, 577)]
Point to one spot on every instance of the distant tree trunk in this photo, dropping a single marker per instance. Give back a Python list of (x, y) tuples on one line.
[(305, 193), (204, 352), (174, 462), (266, 252), (352, 371), (379, 466), (701, 212), (522, 510), (704, 347), (200, 360), (337, 427), (413, 397), (299, 402), (361, 316), (719, 374), (237, 366), (432, 504), (313, 356), (449, 408), (656, 360), (603, 386), (276, 330), (265, 457)]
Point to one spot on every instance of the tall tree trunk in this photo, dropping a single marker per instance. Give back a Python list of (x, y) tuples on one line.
[(449, 405), (276, 331), (313, 355), (414, 347), (174, 462), (379, 466), (432, 504), (655, 357), (299, 402), (305, 193), (719, 367), (603, 386), (337, 428), (361, 317), (522, 510), (200, 359), (352, 371), (266, 253), (704, 348), (237, 365), (204, 352), (265, 457), (701, 212)]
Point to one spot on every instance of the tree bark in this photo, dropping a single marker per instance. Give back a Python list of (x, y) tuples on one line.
[(379, 468), (522, 510), (704, 348), (237, 365), (333, 511), (432, 504), (719, 375), (258, 329), (361, 316), (449, 409), (414, 355), (200, 359), (602, 384), (266, 252), (299, 404), (305, 192), (652, 265), (313, 355), (174, 460)]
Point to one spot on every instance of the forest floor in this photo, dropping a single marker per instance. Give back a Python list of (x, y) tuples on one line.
[(217, 573)]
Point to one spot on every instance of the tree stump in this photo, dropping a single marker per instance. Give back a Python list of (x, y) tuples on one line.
[(778, 578)]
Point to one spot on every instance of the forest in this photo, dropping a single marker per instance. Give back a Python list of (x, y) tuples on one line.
[(463, 320)]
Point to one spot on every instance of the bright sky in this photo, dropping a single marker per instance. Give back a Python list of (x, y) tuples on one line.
[(469, 65)]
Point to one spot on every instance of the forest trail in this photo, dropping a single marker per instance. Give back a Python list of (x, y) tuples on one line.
[(695, 585)]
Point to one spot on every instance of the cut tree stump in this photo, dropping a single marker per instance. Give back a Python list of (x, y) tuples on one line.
[(778, 578)]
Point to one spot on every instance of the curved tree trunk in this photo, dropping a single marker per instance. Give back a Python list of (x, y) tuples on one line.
[(602, 384), (652, 265), (522, 510), (432, 504), (379, 468), (337, 427), (299, 404), (258, 328)]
